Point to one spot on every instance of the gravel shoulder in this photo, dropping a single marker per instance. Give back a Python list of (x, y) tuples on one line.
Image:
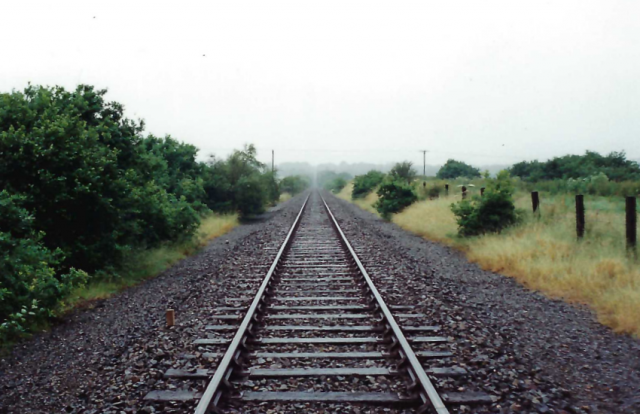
[(559, 346)]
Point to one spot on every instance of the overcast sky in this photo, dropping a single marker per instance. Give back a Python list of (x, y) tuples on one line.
[(487, 82)]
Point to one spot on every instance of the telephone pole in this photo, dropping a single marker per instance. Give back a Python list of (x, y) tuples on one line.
[(424, 162), (273, 157)]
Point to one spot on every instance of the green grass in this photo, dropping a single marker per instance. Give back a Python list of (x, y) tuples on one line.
[(147, 264)]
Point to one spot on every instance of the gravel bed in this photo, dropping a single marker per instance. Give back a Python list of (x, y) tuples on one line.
[(533, 354)]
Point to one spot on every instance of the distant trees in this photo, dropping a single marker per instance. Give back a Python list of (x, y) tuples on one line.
[(454, 169), (294, 184), (614, 165), (335, 185)]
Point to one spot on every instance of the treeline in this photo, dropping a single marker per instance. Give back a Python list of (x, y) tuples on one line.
[(82, 188), (615, 166)]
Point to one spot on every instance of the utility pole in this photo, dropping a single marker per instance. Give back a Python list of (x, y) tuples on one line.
[(272, 161), (424, 162)]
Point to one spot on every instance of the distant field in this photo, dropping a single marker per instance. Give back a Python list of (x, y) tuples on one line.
[(543, 253)]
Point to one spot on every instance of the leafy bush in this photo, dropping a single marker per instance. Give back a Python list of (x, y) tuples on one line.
[(490, 213), (83, 188), (403, 171), (294, 184), (324, 178), (87, 178), (336, 185), (240, 184), (364, 184), (454, 169), (393, 197), (31, 283)]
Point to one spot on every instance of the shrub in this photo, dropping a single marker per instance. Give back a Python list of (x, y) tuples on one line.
[(336, 185), (403, 171), (364, 184), (454, 169), (393, 197), (31, 283), (490, 213), (294, 184)]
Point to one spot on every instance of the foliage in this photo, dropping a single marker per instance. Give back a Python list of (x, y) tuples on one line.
[(31, 280), (85, 176), (454, 169), (294, 184), (393, 197), (364, 184), (83, 189), (490, 213), (336, 184), (240, 184), (403, 171), (615, 166), (325, 177)]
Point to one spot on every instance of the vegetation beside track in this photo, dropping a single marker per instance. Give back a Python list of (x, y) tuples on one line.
[(85, 193), (146, 264), (542, 251)]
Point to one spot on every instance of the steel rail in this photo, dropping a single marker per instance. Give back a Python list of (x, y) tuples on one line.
[(428, 393), (213, 393)]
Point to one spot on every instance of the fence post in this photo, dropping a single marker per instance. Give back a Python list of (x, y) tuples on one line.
[(535, 201), (481, 191), (446, 189), (631, 223), (580, 215), (464, 192), (171, 317)]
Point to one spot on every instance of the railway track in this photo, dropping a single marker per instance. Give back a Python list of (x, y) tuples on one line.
[(317, 331)]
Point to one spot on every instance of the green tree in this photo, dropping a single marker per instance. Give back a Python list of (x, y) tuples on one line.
[(454, 169), (294, 184), (403, 171)]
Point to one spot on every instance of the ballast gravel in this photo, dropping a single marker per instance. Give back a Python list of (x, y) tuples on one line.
[(537, 355), (529, 353)]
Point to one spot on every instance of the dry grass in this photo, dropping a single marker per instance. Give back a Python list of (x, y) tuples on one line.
[(284, 197), (364, 203), (543, 253)]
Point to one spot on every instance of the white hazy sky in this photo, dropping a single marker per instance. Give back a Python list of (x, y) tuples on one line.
[(488, 82)]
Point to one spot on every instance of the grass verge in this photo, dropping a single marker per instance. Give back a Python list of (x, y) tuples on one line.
[(543, 252)]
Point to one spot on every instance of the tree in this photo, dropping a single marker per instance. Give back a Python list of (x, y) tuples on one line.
[(454, 169), (403, 171), (294, 184)]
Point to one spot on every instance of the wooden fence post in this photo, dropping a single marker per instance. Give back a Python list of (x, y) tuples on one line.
[(535, 201), (580, 215), (446, 189), (632, 221), (481, 191), (171, 317)]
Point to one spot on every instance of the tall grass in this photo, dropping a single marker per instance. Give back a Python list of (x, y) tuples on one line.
[(544, 254), (146, 264)]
